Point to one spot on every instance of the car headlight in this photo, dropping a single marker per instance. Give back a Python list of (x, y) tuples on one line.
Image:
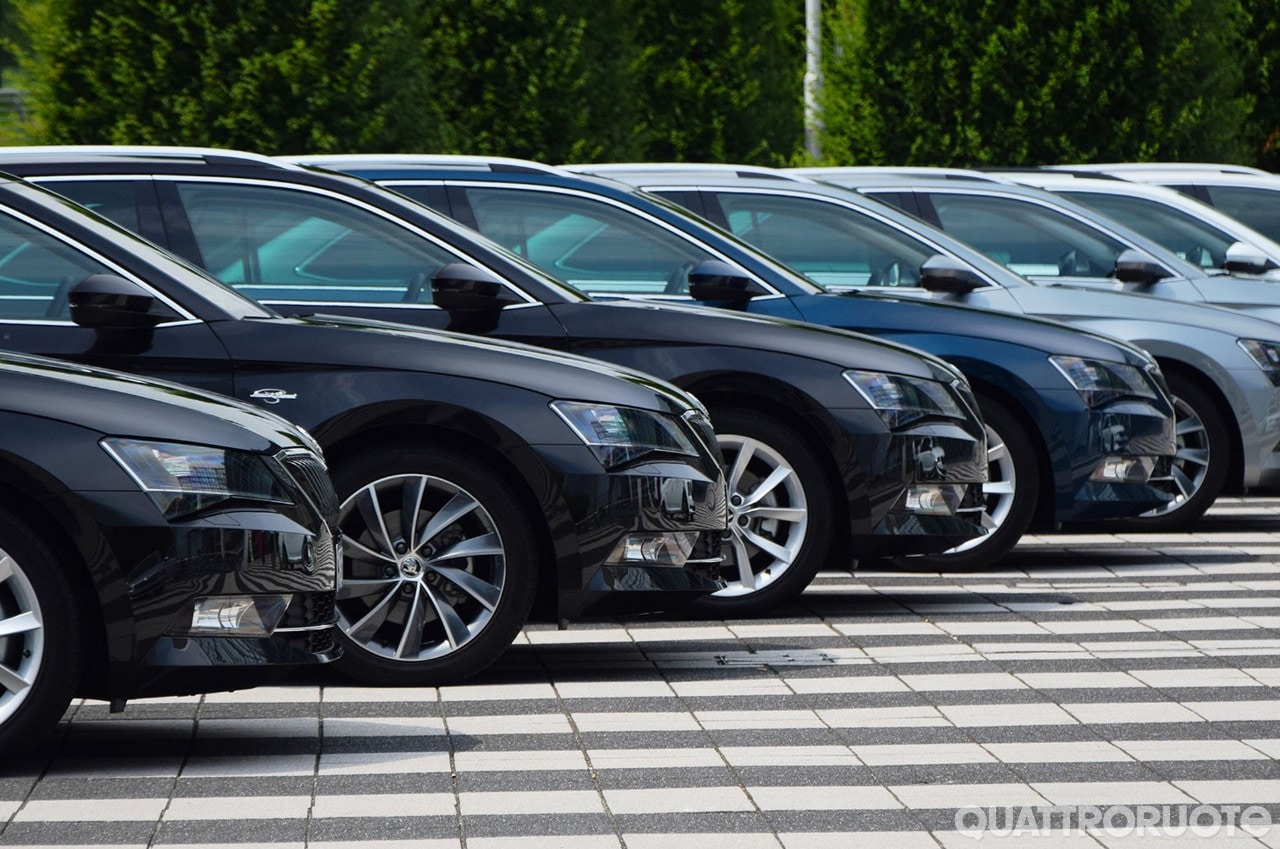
[(901, 400), (1266, 355), (619, 435), (187, 479), (1100, 382)]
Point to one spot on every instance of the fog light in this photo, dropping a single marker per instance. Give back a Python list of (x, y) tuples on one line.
[(932, 499), (659, 549), (1123, 470), (237, 615)]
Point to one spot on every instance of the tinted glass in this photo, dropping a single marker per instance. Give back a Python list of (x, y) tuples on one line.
[(36, 272), (828, 243), (280, 244), (587, 243), (1183, 233), (1257, 207), (116, 200), (1030, 239)]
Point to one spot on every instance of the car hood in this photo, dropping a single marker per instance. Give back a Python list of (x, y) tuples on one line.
[(1068, 304), (362, 343), (879, 314), (117, 404), (702, 325)]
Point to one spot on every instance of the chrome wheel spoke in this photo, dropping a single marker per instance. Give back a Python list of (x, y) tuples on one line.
[(777, 552), (11, 681), (411, 639), (357, 587), (455, 630), (1194, 456), (782, 514), (740, 462), (1185, 483), (997, 488), (367, 503), (363, 630), (23, 623), (410, 505), (482, 591), (350, 545), (487, 545), (460, 505), (746, 576), (769, 484)]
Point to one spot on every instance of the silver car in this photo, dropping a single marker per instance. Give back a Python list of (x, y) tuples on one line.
[(1249, 195), (1223, 366)]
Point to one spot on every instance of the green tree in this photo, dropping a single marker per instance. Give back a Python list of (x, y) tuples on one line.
[(1028, 82), (1262, 81), (721, 80), (268, 75)]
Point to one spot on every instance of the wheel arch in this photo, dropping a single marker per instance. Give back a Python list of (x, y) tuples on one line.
[(1043, 517), (1206, 384), (767, 396)]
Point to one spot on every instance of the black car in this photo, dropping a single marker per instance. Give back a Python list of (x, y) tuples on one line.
[(471, 473), (836, 444), (154, 540)]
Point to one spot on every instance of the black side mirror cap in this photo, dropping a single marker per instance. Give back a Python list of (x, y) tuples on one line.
[(1136, 267), (1244, 258), (714, 280), (110, 302), (947, 274), (462, 286)]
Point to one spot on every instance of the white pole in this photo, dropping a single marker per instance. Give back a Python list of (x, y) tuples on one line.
[(812, 76)]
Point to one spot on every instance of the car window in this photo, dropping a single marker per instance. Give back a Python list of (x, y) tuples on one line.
[(1030, 239), (36, 272), (116, 200), (590, 244), (281, 244), (1190, 238), (828, 243), (1257, 207)]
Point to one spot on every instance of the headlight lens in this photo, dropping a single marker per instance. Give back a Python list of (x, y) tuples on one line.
[(1266, 355), (186, 479), (619, 435), (901, 400), (1099, 382)]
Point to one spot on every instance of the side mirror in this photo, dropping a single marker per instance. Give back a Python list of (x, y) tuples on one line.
[(110, 302), (460, 286), (1244, 258), (947, 274), (1136, 267), (713, 280)]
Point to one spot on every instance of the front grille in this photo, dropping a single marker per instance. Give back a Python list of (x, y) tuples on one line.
[(309, 610), (311, 476)]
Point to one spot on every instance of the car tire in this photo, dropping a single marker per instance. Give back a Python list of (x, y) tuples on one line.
[(1011, 493), (439, 566), (1203, 455), (781, 516), (41, 637)]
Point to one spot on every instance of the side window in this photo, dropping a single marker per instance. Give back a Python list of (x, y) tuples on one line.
[(281, 244), (1257, 207), (36, 272), (116, 200), (1183, 234), (831, 244), (587, 243), (1028, 238)]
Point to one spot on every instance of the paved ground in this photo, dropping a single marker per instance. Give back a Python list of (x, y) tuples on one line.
[(1098, 691)]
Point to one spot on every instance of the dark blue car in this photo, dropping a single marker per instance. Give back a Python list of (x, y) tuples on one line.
[(1079, 425)]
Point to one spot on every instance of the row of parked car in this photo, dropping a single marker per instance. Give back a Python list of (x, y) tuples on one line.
[(553, 392)]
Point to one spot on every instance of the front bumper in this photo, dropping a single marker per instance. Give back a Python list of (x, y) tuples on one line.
[(610, 511), (924, 485), (159, 571), (1119, 457)]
